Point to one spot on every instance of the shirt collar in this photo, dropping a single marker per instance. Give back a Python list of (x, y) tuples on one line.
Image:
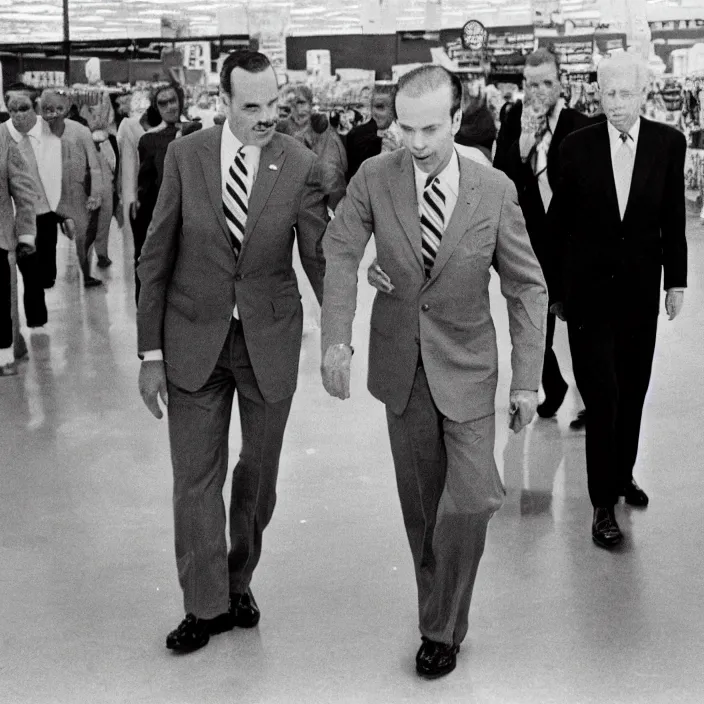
[(615, 135), (449, 177), (233, 144)]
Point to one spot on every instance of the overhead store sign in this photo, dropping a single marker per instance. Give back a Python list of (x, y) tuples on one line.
[(44, 79), (505, 46)]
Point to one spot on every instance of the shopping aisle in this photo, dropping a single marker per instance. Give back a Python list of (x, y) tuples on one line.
[(88, 585)]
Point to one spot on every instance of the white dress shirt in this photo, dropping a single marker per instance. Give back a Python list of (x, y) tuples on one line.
[(229, 146), (47, 151), (616, 143), (449, 179)]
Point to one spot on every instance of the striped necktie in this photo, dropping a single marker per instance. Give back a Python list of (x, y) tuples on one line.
[(432, 221), (623, 170), (235, 200)]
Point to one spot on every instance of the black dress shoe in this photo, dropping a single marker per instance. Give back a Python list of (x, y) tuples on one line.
[(104, 262), (244, 610), (634, 495), (192, 634), (580, 421), (436, 659), (549, 407), (605, 530), (91, 282)]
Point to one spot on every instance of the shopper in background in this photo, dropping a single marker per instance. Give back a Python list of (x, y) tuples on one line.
[(18, 195), (167, 102), (437, 220), (219, 314), (617, 226), (477, 132), (528, 151), (314, 130), (367, 140), (27, 131), (81, 179)]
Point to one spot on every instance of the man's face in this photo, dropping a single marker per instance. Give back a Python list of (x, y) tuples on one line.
[(426, 126), (54, 108), (168, 106), (252, 109), (541, 85), (382, 111), (301, 110), (622, 98), (21, 110)]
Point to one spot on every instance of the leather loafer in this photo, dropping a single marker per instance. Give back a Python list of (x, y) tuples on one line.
[(549, 407), (192, 634), (580, 421), (605, 530), (634, 495), (436, 659), (244, 610)]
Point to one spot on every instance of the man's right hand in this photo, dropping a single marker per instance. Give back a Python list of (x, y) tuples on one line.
[(378, 278), (336, 370), (152, 386), (134, 207), (558, 309)]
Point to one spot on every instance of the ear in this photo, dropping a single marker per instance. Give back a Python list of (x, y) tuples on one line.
[(226, 100), (456, 121)]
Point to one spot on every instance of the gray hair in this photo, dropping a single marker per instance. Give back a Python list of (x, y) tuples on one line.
[(623, 61)]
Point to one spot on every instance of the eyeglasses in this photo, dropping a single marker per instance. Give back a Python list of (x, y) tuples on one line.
[(58, 110), (21, 108)]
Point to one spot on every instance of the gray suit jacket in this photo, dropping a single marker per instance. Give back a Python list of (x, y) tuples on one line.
[(15, 185), (447, 317), (191, 279)]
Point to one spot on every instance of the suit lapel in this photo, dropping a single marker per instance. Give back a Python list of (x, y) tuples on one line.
[(209, 157), (604, 170), (402, 186), (467, 201), (270, 162), (645, 155)]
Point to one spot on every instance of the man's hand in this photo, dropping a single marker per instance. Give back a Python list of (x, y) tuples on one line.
[(377, 277), (24, 249), (152, 386), (522, 408), (674, 300), (558, 309), (336, 370), (93, 203), (68, 227), (134, 207)]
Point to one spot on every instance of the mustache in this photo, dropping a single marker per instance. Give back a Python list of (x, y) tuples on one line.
[(265, 125)]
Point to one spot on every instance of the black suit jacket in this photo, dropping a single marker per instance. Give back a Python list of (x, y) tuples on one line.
[(362, 144), (601, 265), (508, 160)]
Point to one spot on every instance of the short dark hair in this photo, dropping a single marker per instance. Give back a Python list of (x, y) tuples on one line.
[(426, 79), (32, 93), (156, 92), (542, 56), (246, 59)]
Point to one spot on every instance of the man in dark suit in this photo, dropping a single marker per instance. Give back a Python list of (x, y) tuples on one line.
[(439, 220), (528, 152), (220, 312), (365, 141), (617, 222)]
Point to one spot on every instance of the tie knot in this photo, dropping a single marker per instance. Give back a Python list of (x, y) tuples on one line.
[(430, 181), (624, 136)]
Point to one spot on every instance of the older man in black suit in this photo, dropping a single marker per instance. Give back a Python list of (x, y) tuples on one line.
[(617, 223)]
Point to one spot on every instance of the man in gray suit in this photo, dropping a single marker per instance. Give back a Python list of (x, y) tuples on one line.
[(219, 311), (438, 221)]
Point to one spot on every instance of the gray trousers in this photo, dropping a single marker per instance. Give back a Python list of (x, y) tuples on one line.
[(449, 488), (199, 424)]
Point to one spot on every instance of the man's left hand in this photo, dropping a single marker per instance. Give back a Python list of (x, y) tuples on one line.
[(674, 300), (522, 408), (93, 203)]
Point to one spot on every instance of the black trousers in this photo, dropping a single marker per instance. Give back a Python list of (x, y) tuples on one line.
[(553, 383), (46, 247), (612, 362), (139, 225), (5, 301)]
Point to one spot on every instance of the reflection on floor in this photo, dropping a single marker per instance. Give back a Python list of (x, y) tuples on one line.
[(88, 584)]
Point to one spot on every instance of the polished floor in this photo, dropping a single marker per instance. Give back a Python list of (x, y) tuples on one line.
[(88, 585)]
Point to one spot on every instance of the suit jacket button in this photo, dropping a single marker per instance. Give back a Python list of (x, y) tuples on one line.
[(238, 277), (425, 307)]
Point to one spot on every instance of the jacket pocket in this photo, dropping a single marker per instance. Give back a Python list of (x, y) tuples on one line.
[(182, 303)]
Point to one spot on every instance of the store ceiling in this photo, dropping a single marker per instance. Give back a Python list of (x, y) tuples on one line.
[(41, 20)]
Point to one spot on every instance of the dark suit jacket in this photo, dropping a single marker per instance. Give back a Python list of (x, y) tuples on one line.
[(191, 278), (508, 160), (447, 316), (599, 263), (362, 144)]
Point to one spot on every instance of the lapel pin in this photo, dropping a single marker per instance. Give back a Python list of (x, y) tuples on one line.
[(273, 167)]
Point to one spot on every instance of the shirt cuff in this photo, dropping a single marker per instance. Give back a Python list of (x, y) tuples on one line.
[(153, 356), (676, 288), (27, 239)]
